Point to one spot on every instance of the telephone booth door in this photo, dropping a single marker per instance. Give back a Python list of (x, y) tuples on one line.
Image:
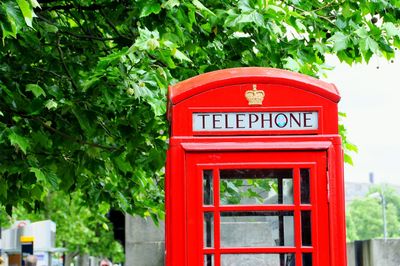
[(265, 208)]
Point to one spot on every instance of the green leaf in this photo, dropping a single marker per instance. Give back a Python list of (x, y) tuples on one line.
[(320, 47), (276, 9), (148, 40), (348, 159), (41, 139), (396, 42), (27, 11), (201, 7), (291, 64), (253, 17), (149, 8), (158, 107), (49, 27), (105, 226), (244, 6), (300, 26), (37, 192), (165, 57), (35, 89), (341, 23), (51, 104), (346, 10), (8, 21), (46, 176), (52, 177), (40, 177), (351, 147), (3, 189), (369, 44), (340, 41), (179, 55), (19, 141), (83, 120), (35, 4), (362, 32), (170, 4), (124, 204), (141, 91), (391, 29), (123, 164), (232, 186)]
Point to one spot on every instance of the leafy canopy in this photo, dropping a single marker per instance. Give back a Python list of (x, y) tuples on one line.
[(80, 229), (83, 83), (364, 216)]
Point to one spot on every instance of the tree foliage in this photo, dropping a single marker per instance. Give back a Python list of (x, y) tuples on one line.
[(364, 216), (80, 229), (83, 83)]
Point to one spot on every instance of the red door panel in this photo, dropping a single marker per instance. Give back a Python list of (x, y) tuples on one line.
[(257, 208)]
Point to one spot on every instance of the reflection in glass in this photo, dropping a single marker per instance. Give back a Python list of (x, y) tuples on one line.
[(305, 185), (307, 259), (257, 229), (208, 260), (258, 259), (256, 186), (208, 230), (306, 228), (208, 187)]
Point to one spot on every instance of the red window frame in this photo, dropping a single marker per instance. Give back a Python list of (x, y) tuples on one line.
[(314, 160)]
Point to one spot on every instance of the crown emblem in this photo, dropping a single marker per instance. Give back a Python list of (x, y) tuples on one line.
[(254, 96)]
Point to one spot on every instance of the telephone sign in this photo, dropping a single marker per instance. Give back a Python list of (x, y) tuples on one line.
[(254, 172), (235, 121)]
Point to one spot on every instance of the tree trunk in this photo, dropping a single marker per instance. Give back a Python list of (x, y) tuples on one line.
[(69, 258), (83, 260)]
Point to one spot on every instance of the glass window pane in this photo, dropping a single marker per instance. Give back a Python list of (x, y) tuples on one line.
[(256, 186), (307, 259), (208, 187), (305, 185), (306, 228), (258, 259), (257, 229), (208, 230), (208, 260)]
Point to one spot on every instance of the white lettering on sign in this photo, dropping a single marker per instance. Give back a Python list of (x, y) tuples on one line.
[(257, 121)]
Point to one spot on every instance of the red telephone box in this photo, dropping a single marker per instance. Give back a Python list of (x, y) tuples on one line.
[(254, 171)]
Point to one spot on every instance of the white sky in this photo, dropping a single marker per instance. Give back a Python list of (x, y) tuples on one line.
[(371, 98)]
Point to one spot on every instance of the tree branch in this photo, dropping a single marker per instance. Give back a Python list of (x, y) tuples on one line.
[(74, 138), (64, 64), (45, 6), (89, 37), (51, 72), (313, 11), (92, 7), (111, 24)]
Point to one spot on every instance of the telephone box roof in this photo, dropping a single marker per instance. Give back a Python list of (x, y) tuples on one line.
[(245, 75)]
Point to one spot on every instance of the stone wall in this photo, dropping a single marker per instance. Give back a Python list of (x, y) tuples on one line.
[(144, 242), (375, 252), (145, 245)]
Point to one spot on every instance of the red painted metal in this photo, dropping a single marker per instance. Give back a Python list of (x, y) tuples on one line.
[(235, 76), (192, 152)]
